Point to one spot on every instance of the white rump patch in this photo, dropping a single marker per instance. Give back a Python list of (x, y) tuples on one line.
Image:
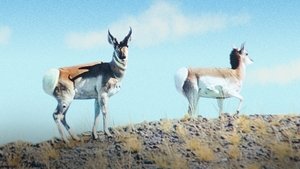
[(180, 78), (50, 81)]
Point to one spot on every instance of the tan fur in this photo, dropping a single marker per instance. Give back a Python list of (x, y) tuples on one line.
[(74, 71), (215, 72), (69, 73)]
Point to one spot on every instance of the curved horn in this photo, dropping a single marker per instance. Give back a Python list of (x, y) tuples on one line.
[(112, 40), (128, 37), (243, 46)]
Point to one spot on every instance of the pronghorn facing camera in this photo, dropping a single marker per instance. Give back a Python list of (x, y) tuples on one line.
[(218, 83), (98, 81)]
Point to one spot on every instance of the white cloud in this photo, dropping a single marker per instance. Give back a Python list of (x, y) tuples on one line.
[(160, 22), (280, 74), (5, 34)]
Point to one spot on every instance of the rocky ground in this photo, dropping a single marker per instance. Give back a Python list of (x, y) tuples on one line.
[(252, 142)]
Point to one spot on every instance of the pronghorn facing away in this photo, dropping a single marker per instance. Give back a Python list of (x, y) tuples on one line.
[(218, 83), (97, 81)]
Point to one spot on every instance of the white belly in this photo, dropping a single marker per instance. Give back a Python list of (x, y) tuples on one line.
[(216, 87), (87, 88)]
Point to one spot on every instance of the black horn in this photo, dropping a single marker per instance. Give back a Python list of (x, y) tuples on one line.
[(242, 46), (112, 40), (127, 38)]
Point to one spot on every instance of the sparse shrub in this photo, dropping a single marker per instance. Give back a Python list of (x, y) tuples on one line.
[(201, 149)]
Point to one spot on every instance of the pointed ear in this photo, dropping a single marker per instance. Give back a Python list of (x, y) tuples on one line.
[(242, 47), (127, 38), (112, 40)]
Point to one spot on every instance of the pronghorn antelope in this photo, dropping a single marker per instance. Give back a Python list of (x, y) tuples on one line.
[(98, 81), (218, 83)]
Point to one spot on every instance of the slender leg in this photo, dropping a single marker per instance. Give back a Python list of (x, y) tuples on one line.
[(237, 95), (220, 105), (191, 93), (96, 119), (70, 131), (193, 102), (58, 116), (104, 108)]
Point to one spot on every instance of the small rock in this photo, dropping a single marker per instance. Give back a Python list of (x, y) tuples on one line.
[(146, 161)]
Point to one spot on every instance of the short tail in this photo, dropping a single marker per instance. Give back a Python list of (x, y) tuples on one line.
[(50, 81), (180, 78)]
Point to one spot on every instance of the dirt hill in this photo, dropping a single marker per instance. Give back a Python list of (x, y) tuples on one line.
[(252, 142)]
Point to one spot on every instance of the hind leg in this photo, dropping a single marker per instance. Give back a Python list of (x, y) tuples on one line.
[(191, 93), (67, 127), (60, 118), (193, 103)]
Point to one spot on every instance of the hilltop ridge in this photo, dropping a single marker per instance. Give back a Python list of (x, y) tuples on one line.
[(255, 141)]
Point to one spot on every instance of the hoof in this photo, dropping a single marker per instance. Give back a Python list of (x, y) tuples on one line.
[(76, 138), (95, 136), (107, 133), (236, 115), (66, 141)]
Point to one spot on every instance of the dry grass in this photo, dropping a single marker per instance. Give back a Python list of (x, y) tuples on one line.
[(234, 152), (253, 166), (169, 158), (181, 131), (234, 138), (14, 159), (100, 161), (131, 142), (48, 152), (243, 123), (166, 125), (281, 150), (261, 126), (201, 149), (186, 117)]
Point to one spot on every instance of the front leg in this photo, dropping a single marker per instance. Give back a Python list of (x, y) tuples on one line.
[(104, 109), (238, 96), (111, 87), (96, 119)]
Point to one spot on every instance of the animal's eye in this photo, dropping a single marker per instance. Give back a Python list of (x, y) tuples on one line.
[(246, 54)]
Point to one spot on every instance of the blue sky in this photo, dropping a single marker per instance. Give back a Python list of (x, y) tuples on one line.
[(38, 35)]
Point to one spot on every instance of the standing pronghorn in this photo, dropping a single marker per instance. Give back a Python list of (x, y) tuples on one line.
[(218, 83), (97, 81)]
